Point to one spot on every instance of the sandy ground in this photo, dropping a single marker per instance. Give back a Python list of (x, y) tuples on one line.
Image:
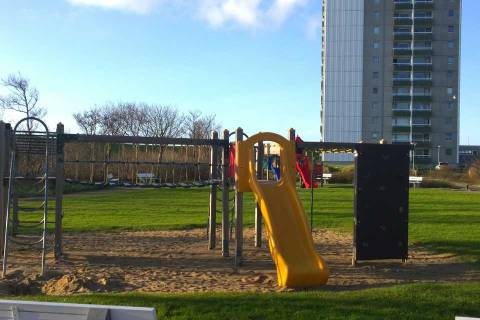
[(179, 261)]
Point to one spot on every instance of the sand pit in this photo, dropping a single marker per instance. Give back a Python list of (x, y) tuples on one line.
[(179, 261)]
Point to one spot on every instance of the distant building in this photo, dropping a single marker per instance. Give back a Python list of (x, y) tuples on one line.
[(391, 71), (468, 154)]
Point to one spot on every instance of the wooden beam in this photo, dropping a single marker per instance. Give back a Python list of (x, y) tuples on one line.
[(238, 215), (291, 134), (212, 217), (258, 212), (59, 184), (225, 195), (140, 140)]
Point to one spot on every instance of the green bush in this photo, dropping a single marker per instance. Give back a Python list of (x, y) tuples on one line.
[(343, 175), (441, 183)]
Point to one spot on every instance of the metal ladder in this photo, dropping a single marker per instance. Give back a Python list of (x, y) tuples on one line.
[(20, 233)]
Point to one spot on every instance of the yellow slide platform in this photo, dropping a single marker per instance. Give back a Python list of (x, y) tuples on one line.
[(291, 244)]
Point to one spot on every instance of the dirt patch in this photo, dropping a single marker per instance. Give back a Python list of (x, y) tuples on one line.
[(71, 283), (179, 261)]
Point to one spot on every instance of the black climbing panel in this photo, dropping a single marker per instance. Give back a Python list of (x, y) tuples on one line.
[(381, 202)]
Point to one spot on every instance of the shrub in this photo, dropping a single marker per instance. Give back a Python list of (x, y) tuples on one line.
[(441, 183), (343, 175), (474, 171)]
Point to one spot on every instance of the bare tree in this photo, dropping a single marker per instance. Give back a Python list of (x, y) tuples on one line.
[(22, 98), (164, 121), (199, 126), (112, 120), (89, 121), (133, 118)]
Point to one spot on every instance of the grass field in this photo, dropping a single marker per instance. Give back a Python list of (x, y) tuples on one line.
[(418, 301), (443, 220)]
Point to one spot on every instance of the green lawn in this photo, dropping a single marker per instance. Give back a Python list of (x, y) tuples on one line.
[(445, 220), (418, 301)]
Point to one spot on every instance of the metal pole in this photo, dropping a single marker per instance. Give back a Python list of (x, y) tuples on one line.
[(238, 215), (59, 183), (438, 154), (225, 196), (311, 191), (212, 220), (45, 201), (258, 212), (7, 214)]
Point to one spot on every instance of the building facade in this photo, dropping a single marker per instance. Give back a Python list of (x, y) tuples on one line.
[(390, 70)]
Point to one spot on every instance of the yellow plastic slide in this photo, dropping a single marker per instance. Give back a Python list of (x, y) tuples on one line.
[(291, 244)]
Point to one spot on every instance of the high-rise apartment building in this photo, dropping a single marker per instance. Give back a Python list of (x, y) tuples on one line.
[(391, 71)]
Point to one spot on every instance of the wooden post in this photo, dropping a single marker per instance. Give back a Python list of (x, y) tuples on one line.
[(15, 221), (291, 134), (77, 166), (258, 212), (4, 155), (225, 196), (268, 155), (212, 220), (291, 137), (238, 215), (59, 182)]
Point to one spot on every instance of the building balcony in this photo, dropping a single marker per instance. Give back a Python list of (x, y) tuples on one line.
[(424, 4), (414, 98), (422, 143), (402, 21), (400, 141), (423, 159), (402, 51), (400, 128), (416, 81), (421, 140), (421, 128), (422, 51), (402, 66), (401, 94), (401, 97), (422, 66), (423, 35), (402, 35), (416, 112), (409, 4), (423, 21), (422, 82), (403, 4), (402, 81)]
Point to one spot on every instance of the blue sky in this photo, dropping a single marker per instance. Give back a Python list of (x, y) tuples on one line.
[(254, 63)]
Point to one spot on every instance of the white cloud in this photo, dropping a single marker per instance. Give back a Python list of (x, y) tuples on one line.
[(314, 26), (282, 9), (137, 6), (217, 13)]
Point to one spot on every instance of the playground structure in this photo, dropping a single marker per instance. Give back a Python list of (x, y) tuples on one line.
[(221, 181), (291, 244)]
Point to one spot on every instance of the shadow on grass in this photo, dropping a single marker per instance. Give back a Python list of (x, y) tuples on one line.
[(469, 249)]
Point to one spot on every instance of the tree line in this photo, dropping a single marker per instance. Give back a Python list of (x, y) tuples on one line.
[(112, 118), (142, 119)]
